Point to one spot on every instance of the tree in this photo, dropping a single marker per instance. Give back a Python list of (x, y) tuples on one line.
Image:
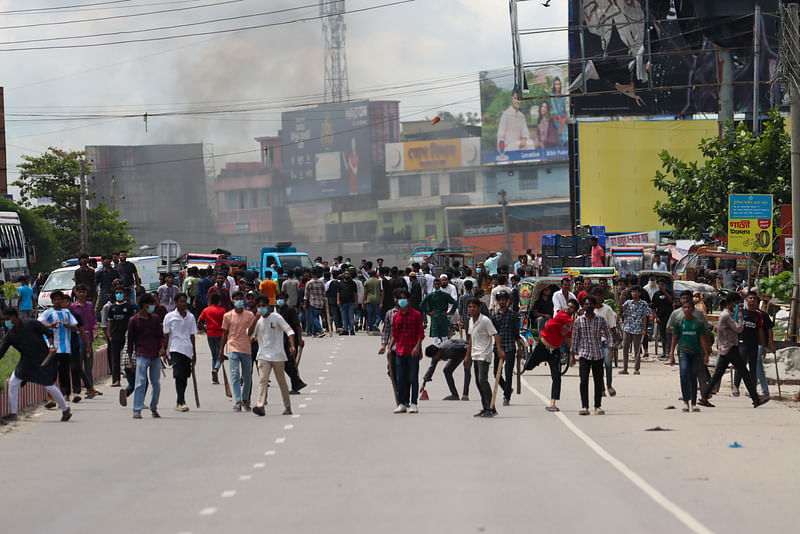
[(54, 176), (39, 234), (736, 163)]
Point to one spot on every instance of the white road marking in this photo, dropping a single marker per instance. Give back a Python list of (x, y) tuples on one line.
[(280, 440), (269, 453), (324, 370), (288, 427), (228, 493), (328, 363), (659, 498), (331, 357), (208, 511), (259, 465), (307, 398), (302, 406), (245, 477), (317, 383), (313, 391), (296, 416), (320, 378)]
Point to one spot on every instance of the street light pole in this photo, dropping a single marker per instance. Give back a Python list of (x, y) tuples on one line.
[(506, 230), (84, 223)]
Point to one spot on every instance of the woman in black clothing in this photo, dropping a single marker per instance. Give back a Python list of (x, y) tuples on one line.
[(542, 309)]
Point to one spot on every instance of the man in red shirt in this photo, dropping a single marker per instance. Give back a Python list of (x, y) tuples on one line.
[(598, 254), (407, 336), (212, 316), (557, 331)]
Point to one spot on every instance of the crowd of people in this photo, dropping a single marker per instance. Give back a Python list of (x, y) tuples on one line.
[(473, 316)]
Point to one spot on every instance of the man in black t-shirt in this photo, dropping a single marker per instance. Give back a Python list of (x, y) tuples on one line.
[(118, 316), (127, 271), (753, 336), (662, 306), (346, 298)]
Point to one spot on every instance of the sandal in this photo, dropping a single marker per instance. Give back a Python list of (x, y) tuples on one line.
[(584, 411), (552, 408), (695, 409), (685, 409), (599, 411)]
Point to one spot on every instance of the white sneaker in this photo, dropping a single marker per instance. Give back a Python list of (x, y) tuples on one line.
[(401, 408), (413, 409)]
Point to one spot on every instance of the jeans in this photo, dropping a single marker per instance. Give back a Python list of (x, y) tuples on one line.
[(146, 367), (335, 318), (243, 361), (759, 373), (213, 345), (507, 377), (448, 370), (607, 361), (407, 375), (553, 358), (373, 316), (596, 367), (482, 381), (627, 340), (688, 369), (736, 359), (315, 326), (348, 309)]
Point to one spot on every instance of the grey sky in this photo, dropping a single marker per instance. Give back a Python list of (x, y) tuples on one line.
[(407, 52)]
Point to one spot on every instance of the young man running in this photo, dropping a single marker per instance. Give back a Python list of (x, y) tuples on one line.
[(407, 336), (482, 335), (145, 339), (63, 324), (179, 331), (268, 328), (28, 337), (588, 334), (212, 317), (689, 338), (236, 340)]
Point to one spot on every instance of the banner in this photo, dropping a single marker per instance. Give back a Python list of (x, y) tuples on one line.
[(627, 240), (750, 223), (436, 154), (524, 127)]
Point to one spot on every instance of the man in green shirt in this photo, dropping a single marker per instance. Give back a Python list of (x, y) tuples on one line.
[(372, 300), (190, 284), (689, 338), (436, 305)]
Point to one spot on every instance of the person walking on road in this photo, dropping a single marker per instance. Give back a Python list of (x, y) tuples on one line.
[(506, 322), (180, 329), (145, 342), (269, 328), (439, 305), (372, 300), (689, 338), (167, 292), (407, 336), (634, 327), (219, 288), (119, 315), (610, 316), (314, 296), (235, 346), (269, 288), (25, 298), (63, 324), (289, 315), (557, 332), (661, 303), (346, 299), (453, 351), (481, 339), (212, 317), (37, 362), (588, 334), (84, 364)]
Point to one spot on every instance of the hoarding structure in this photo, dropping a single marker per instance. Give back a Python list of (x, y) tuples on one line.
[(750, 223)]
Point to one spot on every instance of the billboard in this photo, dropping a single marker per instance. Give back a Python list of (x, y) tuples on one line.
[(660, 57), (327, 151), (750, 223), (527, 129), (435, 154)]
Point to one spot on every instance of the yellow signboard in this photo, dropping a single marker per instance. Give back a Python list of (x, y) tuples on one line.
[(750, 223), (438, 154)]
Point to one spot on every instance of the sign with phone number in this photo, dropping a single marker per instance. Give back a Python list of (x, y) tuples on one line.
[(750, 223)]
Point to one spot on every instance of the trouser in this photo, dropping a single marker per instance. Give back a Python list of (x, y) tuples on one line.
[(703, 376), (241, 366), (756, 367), (77, 373), (627, 340), (348, 310), (596, 366), (63, 366), (373, 316), (688, 370), (607, 362), (130, 376), (26, 314), (114, 351), (736, 359), (213, 345), (482, 382), (665, 338), (264, 369), (336, 316), (181, 371), (541, 353), (314, 325), (407, 376), (448, 370), (507, 377), (291, 369), (147, 368), (88, 368), (13, 394)]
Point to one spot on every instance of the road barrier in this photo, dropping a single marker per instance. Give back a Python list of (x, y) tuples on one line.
[(33, 394)]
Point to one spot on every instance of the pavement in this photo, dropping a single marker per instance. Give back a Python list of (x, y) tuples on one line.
[(344, 463)]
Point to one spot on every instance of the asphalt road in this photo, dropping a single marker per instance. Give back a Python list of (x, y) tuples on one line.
[(345, 463)]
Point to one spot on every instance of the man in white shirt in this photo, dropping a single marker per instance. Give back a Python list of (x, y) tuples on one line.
[(447, 287), (560, 298), (428, 280), (179, 331), (268, 329), (493, 305), (491, 263), (659, 265), (483, 338), (513, 129)]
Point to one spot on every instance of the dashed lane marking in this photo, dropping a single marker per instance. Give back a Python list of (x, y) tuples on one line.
[(208, 511), (269, 453), (302, 405), (288, 427), (259, 465), (296, 416), (307, 398), (280, 440), (228, 493), (245, 477), (313, 391)]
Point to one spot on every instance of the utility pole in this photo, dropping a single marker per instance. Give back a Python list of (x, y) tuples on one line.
[(506, 230), (84, 224), (792, 72), (726, 88), (756, 68)]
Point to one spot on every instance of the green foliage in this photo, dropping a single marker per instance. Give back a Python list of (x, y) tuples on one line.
[(9, 291), (55, 175), (736, 163), (462, 119), (779, 286), (39, 234)]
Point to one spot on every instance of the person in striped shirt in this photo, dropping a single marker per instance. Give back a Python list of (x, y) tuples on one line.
[(588, 333)]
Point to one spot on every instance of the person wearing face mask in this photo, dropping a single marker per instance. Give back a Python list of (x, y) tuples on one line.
[(145, 345), (697, 298), (119, 314), (588, 333), (289, 314), (439, 305), (406, 340), (179, 331), (237, 342), (269, 328)]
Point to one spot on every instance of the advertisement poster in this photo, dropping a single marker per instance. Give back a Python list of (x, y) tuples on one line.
[(750, 223), (660, 57), (327, 151), (434, 154), (524, 127)]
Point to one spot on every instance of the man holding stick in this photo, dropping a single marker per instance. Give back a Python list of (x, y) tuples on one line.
[(179, 331), (482, 333)]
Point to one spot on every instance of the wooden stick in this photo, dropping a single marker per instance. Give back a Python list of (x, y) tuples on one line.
[(496, 382), (777, 376), (194, 385), (228, 392), (390, 361), (519, 372)]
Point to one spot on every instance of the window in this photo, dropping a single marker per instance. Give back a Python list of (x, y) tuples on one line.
[(528, 179), (410, 186), (387, 218), (231, 200), (434, 185), (263, 198), (430, 215), (408, 216), (430, 230), (491, 183), (242, 227), (462, 182)]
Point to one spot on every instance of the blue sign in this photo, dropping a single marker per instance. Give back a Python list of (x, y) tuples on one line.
[(750, 207), (536, 154)]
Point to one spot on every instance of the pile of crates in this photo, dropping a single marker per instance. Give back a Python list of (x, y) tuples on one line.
[(559, 251)]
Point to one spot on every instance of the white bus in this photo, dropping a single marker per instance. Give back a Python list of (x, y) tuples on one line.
[(13, 248)]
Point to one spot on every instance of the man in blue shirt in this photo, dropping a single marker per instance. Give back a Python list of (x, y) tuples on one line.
[(25, 298)]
